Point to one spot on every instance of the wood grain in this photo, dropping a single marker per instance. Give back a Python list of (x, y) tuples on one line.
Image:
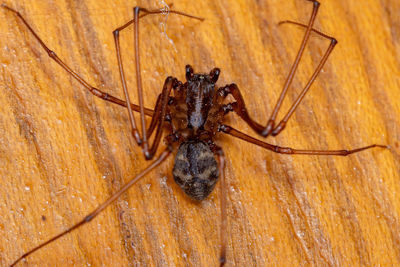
[(63, 151)]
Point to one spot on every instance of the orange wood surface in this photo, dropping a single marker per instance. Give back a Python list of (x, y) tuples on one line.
[(63, 151)]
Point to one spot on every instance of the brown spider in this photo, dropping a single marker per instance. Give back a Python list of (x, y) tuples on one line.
[(192, 113)]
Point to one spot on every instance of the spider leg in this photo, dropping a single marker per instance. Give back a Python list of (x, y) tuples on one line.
[(95, 91), (155, 118), (224, 195), (158, 119), (271, 122), (287, 150), (239, 106), (140, 140), (219, 153), (102, 206), (300, 97), (305, 26)]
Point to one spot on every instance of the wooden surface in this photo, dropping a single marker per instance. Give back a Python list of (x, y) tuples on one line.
[(63, 151)]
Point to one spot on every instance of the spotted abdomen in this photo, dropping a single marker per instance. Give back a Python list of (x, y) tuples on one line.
[(195, 169)]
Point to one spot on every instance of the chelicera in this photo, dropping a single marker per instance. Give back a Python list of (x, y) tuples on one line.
[(190, 114)]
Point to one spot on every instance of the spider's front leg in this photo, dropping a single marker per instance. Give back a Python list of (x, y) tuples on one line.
[(160, 113), (95, 91), (142, 139), (271, 128)]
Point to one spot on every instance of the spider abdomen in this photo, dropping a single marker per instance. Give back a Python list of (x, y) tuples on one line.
[(195, 169)]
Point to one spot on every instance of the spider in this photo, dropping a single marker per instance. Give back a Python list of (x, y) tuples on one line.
[(191, 114)]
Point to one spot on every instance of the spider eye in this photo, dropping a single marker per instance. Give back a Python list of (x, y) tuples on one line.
[(214, 74), (189, 72)]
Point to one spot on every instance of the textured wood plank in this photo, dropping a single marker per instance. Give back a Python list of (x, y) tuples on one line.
[(63, 151)]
